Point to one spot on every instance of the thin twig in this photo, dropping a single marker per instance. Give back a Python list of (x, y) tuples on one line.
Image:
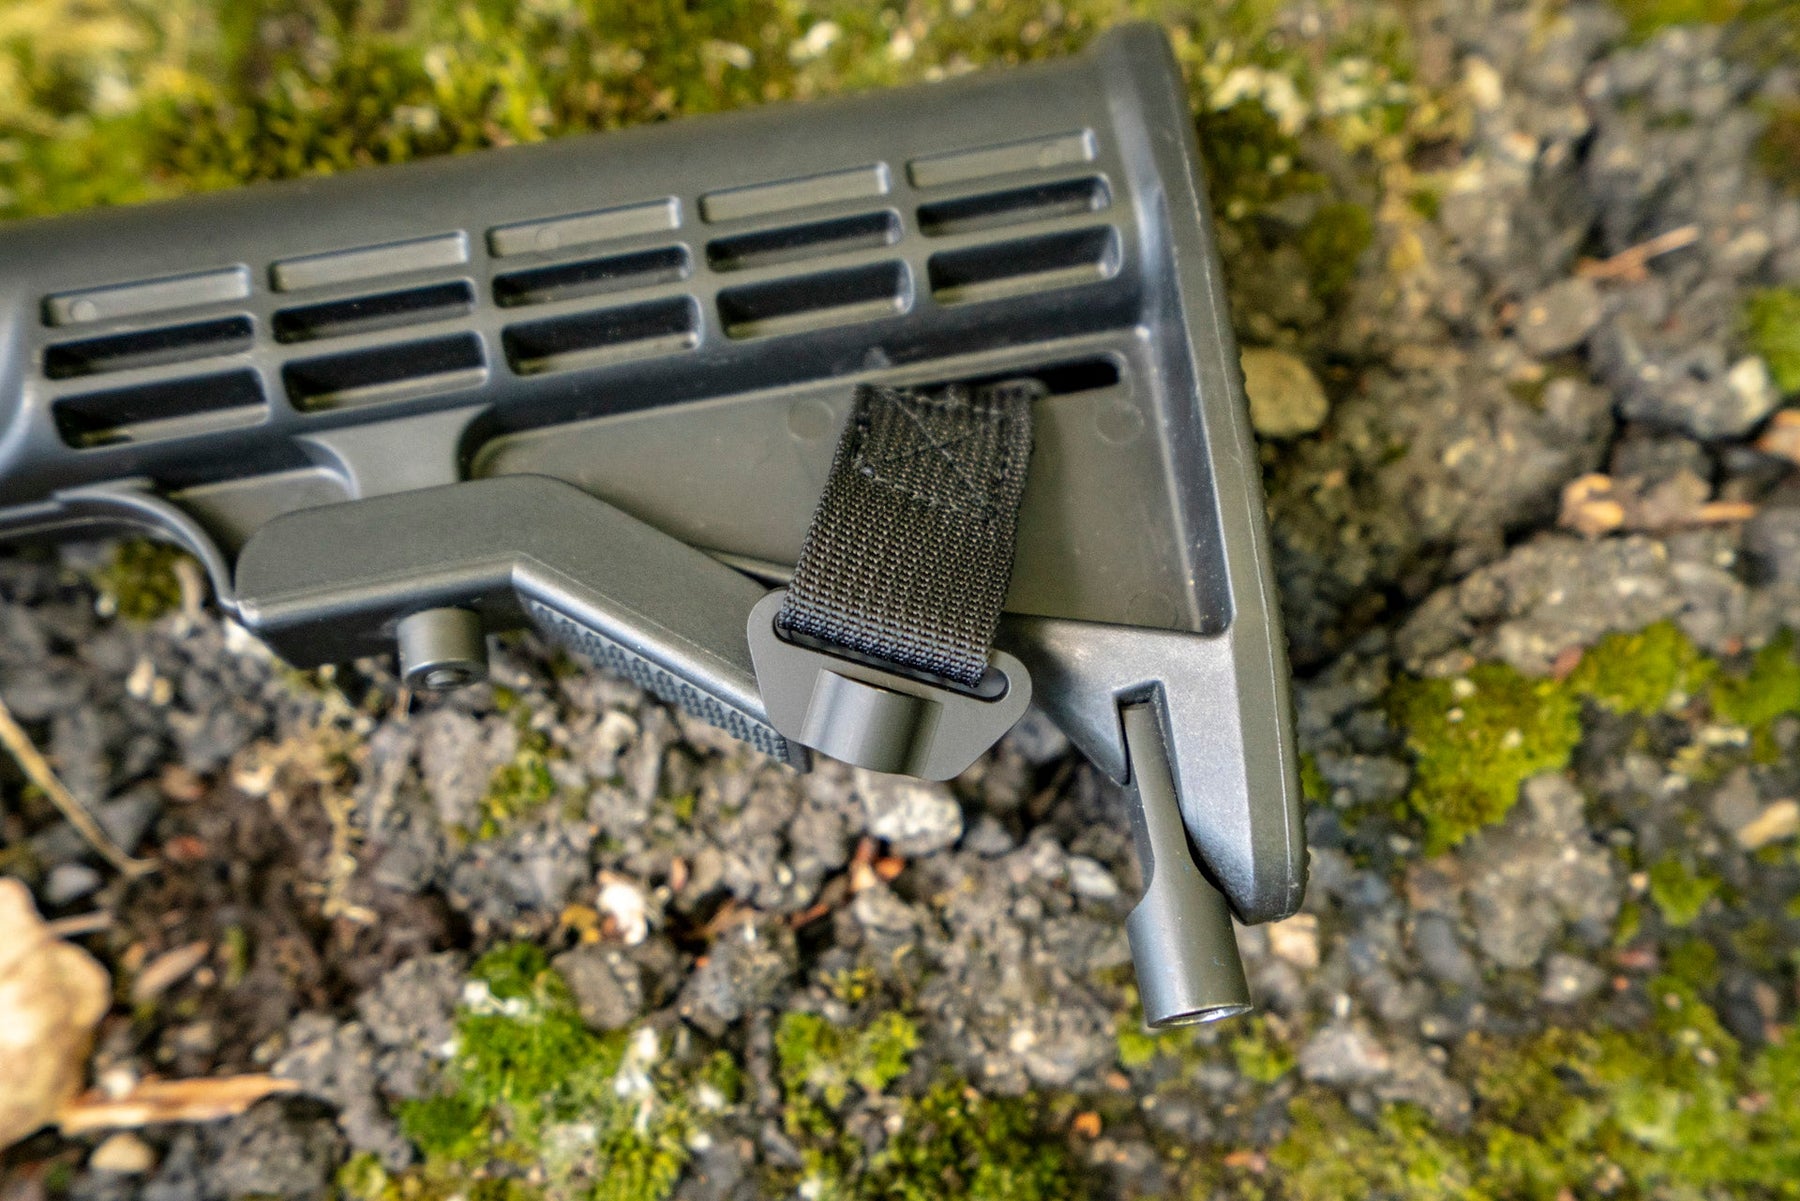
[(1630, 263), (153, 1102), (39, 771), (78, 924)]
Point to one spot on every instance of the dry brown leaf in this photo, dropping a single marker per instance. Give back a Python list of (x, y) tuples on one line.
[(52, 995), (205, 1099)]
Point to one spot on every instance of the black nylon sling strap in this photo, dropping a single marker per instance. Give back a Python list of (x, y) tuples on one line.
[(910, 551)]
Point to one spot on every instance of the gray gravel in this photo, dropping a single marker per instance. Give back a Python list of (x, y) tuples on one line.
[(1418, 450)]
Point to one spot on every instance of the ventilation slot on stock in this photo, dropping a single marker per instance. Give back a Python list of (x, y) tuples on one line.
[(785, 306), (366, 314), (592, 277), (597, 339), (386, 373), (1029, 265), (167, 409), (967, 214), (148, 348), (794, 243)]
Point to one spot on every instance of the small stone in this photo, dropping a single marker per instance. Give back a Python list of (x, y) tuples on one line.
[(622, 901), (876, 908), (1414, 1078), (1286, 398), (126, 819), (743, 970), (1772, 538), (1343, 1053), (123, 1155), (1088, 879), (608, 987), (1750, 383), (1568, 980), (1559, 318), (1539, 870), (267, 1153), (988, 838), (1038, 739), (1736, 803), (1483, 84), (69, 882), (1441, 953), (1589, 506), (1296, 940), (1777, 821), (1782, 438), (915, 817)]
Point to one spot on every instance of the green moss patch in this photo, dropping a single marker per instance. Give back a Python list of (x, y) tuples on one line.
[(1674, 1109), (1260, 1056), (820, 1061), (536, 1105), (1772, 328), (1476, 739), (1778, 150), (1769, 689), (1680, 892), (955, 1142), (1643, 672), (950, 1142), (138, 582), (519, 788), (1647, 17), (1333, 243)]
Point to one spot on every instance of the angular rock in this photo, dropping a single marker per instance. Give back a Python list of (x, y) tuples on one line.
[(269, 1153), (1286, 398), (744, 969), (608, 987), (915, 817), (1537, 872), (1344, 1053)]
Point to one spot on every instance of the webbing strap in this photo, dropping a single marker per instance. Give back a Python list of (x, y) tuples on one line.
[(911, 548)]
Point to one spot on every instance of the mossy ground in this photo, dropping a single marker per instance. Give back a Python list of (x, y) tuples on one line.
[(1772, 325), (112, 103), (1477, 738), (539, 1106), (948, 1141), (139, 581), (1674, 1108), (520, 788)]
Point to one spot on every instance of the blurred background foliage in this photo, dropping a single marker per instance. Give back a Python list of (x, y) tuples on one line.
[(110, 101)]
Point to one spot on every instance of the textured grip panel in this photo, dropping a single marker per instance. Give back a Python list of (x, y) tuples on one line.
[(656, 680)]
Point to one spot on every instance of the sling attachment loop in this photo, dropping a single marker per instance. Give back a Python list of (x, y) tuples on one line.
[(880, 651)]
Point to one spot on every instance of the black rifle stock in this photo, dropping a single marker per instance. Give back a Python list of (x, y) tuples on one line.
[(595, 385)]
